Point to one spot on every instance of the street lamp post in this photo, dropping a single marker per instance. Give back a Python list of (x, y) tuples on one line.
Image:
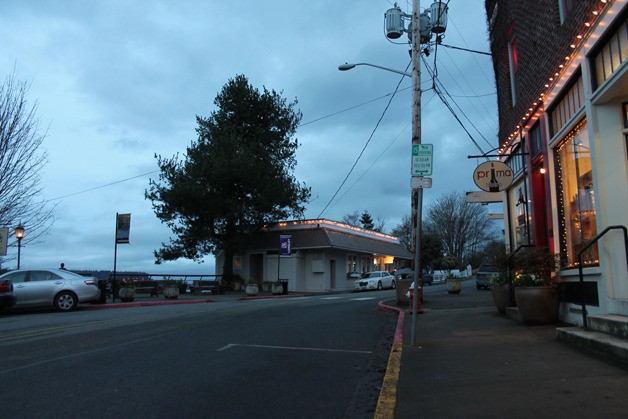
[(19, 234)]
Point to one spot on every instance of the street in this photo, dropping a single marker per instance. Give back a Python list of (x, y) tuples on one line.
[(315, 356)]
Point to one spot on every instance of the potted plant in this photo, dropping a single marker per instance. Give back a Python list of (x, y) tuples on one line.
[(182, 284), (127, 290), (171, 289), (501, 290), (252, 288), (277, 288), (536, 287), (454, 285)]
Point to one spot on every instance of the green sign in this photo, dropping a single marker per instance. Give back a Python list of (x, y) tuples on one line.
[(421, 159)]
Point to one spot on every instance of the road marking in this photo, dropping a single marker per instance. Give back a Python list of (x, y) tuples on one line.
[(362, 298), (332, 298), (291, 348)]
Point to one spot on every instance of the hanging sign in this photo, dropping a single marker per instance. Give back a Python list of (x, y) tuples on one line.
[(123, 228), (285, 245), (493, 176)]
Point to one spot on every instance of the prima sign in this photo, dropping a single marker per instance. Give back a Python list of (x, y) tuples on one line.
[(493, 176)]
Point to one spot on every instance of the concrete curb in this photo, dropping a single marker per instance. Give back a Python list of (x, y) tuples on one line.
[(267, 297), (388, 395)]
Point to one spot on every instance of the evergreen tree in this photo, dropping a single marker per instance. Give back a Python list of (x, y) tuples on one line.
[(367, 221), (236, 177)]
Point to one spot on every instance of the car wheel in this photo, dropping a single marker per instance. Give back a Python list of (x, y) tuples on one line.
[(66, 301), (393, 285), (379, 285)]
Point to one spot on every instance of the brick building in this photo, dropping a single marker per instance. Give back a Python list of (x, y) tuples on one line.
[(562, 90)]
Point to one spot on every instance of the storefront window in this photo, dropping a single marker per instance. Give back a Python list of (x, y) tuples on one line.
[(521, 218), (576, 197)]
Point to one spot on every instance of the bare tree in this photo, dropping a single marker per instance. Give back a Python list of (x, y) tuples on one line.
[(352, 219), (21, 161), (459, 225)]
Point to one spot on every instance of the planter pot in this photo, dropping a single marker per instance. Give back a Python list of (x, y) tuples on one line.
[(126, 294), (538, 305), (501, 297), (171, 293), (237, 285), (265, 286), (402, 286), (251, 289), (454, 285), (277, 288)]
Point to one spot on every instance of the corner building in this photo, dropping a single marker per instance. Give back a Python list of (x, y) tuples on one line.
[(561, 74)]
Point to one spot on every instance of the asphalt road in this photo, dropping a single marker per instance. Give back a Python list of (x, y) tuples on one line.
[(317, 356)]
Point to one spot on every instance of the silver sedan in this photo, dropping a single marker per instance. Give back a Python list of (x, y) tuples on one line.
[(57, 288)]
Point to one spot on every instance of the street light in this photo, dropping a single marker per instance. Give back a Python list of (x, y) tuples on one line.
[(347, 66), (19, 234)]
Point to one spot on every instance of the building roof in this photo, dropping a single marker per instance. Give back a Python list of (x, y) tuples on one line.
[(325, 234)]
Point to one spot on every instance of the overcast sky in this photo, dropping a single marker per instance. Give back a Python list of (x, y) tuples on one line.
[(118, 81)]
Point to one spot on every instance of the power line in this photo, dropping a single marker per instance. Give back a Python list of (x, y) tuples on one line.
[(365, 145), (101, 186)]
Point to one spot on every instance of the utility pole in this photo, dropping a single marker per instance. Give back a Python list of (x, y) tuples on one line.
[(417, 204)]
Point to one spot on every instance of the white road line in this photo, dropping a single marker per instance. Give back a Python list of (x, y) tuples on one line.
[(291, 348), (362, 299)]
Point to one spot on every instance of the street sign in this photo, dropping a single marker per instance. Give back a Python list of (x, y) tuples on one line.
[(482, 197), (421, 159), (418, 182)]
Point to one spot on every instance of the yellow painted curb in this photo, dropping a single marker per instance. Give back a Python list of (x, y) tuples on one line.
[(388, 395)]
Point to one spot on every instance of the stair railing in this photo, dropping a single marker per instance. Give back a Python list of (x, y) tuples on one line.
[(580, 263)]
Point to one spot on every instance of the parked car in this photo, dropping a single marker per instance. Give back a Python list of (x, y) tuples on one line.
[(428, 279), (7, 299), (57, 288), (354, 275), (374, 280), (405, 273), (484, 274)]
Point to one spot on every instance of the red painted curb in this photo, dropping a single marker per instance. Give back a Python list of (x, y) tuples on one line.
[(400, 320)]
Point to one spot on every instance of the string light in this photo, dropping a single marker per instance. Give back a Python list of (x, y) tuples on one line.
[(552, 80)]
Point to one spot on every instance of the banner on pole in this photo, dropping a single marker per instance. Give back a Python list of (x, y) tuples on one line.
[(123, 228), (285, 245), (4, 237)]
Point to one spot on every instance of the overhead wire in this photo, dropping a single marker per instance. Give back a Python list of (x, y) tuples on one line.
[(365, 146)]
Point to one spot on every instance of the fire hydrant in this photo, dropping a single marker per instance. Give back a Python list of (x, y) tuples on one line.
[(410, 295)]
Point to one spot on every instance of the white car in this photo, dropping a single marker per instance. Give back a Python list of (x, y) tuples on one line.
[(57, 288), (376, 280)]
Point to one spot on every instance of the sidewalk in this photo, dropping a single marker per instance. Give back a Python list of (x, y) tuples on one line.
[(471, 362)]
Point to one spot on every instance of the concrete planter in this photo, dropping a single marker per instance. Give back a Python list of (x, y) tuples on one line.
[(251, 289), (126, 294), (171, 292), (277, 288), (402, 286), (454, 285)]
